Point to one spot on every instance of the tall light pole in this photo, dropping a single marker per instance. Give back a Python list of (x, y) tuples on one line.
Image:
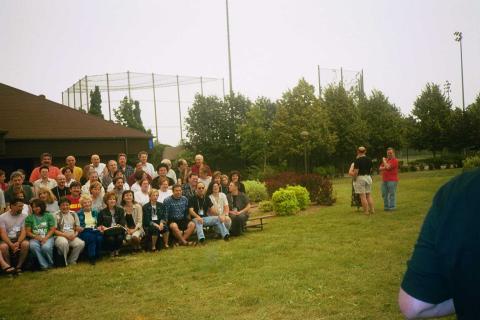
[(305, 135), (229, 55), (458, 37)]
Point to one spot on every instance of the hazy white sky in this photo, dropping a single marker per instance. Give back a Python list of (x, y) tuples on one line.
[(400, 45)]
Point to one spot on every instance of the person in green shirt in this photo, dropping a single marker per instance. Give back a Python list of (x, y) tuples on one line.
[(40, 227)]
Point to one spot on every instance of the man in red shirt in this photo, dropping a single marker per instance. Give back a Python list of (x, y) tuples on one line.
[(389, 170), (46, 160)]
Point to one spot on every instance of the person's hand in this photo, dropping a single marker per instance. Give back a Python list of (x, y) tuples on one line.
[(71, 237), (199, 220), (43, 241), (160, 226), (130, 231), (235, 212), (222, 218), (15, 247)]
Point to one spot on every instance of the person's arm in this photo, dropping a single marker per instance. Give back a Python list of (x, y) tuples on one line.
[(212, 210), (350, 170), (245, 210), (139, 222), (193, 214), (30, 234), (414, 309), (49, 234), (22, 235)]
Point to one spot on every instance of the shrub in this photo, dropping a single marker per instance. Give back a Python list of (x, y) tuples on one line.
[(320, 188), (285, 202), (325, 194), (302, 194), (325, 171), (471, 162), (265, 206), (256, 190)]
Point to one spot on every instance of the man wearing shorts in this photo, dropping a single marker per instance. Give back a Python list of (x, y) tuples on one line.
[(362, 168), (12, 233), (176, 208)]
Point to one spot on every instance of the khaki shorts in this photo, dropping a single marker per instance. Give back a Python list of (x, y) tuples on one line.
[(363, 184)]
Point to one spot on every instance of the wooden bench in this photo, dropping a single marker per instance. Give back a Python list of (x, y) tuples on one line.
[(257, 222)]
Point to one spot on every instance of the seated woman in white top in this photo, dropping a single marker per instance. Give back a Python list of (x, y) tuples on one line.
[(93, 177), (134, 218), (142, 196), (97, 197), (204, 177), (47, 196), (171, 173), (164, 191), (220, 203), (139, 177)]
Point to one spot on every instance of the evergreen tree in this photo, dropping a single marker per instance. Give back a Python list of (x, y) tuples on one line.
[(96, 103), (128, 114)]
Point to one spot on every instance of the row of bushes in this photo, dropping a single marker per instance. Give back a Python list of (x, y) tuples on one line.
[(290, 192), (437, 162), (422, 167)]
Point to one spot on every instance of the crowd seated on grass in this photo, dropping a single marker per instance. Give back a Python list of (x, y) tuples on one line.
[(61, 215)]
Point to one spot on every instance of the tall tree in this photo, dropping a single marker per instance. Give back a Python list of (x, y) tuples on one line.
[(128, 114), (345, 122), (471, 133), (432, 110), (301, 124), (256, 132), (96, 103), (384, 124), (212, 125)]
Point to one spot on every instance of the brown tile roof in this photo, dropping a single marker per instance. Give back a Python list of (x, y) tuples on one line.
[(27, 116)]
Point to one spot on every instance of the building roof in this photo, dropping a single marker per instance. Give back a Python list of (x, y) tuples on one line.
[(27, 116)]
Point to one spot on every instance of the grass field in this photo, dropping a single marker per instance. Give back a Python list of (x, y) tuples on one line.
[(325, 263)]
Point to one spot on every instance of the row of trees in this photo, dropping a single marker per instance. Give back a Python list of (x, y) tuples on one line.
[(237, 133)]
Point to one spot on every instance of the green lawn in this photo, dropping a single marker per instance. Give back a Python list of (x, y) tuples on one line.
[(325, 263)]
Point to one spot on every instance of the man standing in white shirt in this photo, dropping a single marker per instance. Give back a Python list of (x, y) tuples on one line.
[(97, 165), (146, 166)]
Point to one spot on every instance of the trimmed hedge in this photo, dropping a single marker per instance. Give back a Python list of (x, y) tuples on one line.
[(285, 202), (303, 197)]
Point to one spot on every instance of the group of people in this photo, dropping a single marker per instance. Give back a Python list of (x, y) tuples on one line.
[(361, 171), (105, 206)]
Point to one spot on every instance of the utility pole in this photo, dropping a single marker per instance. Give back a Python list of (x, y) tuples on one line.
[(229, 54), (458, 37)]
